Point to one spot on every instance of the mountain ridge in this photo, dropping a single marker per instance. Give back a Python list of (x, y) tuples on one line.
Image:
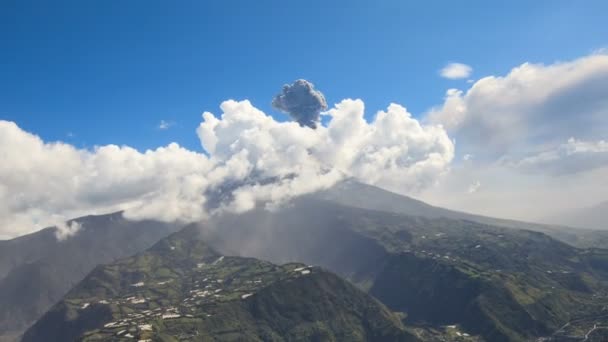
[(541, 282), (36, 270), (374, 248), (206, 295), (357, 194)]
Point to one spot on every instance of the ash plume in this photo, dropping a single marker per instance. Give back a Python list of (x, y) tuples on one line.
[(302, 102)]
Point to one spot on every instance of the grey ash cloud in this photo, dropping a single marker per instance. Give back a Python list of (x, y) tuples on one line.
[(302, 102)]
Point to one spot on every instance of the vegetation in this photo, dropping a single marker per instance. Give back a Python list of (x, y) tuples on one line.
[(37, 270), (182, 290), (444, 278), (495, 283)]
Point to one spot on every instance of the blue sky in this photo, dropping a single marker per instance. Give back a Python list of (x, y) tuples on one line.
[(110, 71)]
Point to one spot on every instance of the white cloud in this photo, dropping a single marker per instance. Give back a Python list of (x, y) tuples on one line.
[(44, 183), (454, 71), (533, 105), (519, 127), (164, 125), (394, 150)]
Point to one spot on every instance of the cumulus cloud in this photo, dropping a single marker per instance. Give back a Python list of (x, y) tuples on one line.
[(454, 71), (42, 183), (519, 127), (251, 157), (302, 102), (534, 104), (393, 148)]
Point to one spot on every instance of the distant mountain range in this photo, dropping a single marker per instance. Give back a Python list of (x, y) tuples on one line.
[(356, 194), (448, 275)]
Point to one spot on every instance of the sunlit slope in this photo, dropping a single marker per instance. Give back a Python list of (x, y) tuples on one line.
[(503, 284), (182, 290), (36, 270)]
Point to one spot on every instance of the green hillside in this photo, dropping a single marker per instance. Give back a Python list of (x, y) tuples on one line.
[(37, 270), (502, 284), (443, 278), (182, 290)]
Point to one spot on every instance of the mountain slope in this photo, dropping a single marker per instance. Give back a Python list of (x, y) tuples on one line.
[(501, 283), (352, 193), (336, 229), (37, 270), (182, 290)]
